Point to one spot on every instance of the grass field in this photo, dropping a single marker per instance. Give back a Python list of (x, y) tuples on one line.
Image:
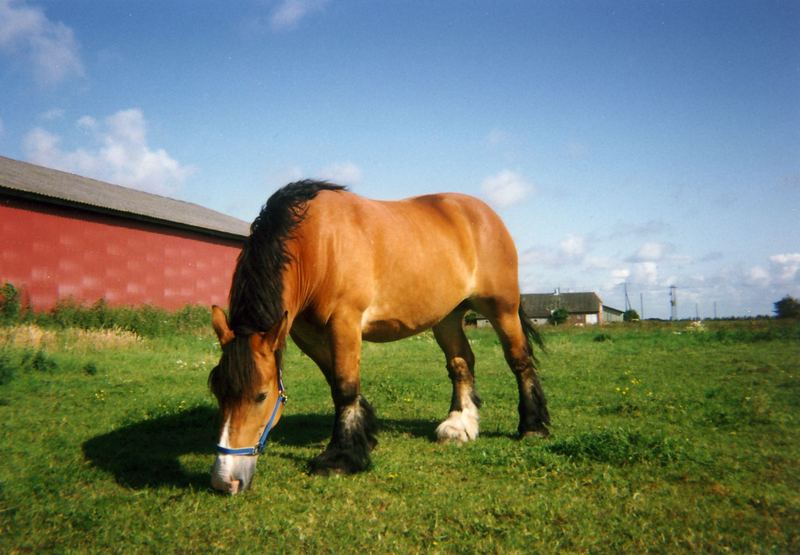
[(671, 438)]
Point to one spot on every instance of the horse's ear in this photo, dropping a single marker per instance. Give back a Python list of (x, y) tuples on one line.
[(220, 323), (275, 338)]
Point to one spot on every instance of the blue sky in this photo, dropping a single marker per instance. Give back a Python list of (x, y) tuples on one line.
[(647, 143)]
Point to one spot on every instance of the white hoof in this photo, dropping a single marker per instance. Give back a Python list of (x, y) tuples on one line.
[(460, 426)]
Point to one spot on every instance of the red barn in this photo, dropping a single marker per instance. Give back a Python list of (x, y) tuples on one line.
[(63, 236)]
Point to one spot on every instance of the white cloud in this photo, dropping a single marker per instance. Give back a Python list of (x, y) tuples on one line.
[(783, 272), (785, 267), (571, 251), (87, 123), (346, 173), (121, 155), (506, 188), (288, 13), (573, 247), (48, 47), (620, 275), (758, 276), (651, 251), (52, 115), (644, 274)]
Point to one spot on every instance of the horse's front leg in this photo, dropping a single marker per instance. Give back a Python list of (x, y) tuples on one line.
[(354, 425)]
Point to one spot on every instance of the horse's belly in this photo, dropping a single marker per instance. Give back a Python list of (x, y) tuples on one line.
[(402, 312), (381, 329), (400, 320)]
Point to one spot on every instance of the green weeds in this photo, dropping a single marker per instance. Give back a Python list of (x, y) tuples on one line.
[(13, 363), (148, 321), (618, 446), (9, 303)]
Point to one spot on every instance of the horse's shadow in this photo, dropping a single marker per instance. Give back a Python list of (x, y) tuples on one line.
[(147, 454)]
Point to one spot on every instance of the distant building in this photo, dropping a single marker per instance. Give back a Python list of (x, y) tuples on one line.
[(612, 314), (63, 236), (583, 308)]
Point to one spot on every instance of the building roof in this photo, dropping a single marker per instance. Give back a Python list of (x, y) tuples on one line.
[(21, 179), (611, 310), (540, 305)]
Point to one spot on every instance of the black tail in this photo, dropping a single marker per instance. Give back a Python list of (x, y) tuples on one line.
[(531, 333), (533, 417)]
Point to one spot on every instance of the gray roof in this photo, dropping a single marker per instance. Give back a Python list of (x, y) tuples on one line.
[(21, 179), (610, 310), (540, 305)]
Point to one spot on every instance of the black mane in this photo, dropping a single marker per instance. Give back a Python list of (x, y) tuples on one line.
[(256, 297)]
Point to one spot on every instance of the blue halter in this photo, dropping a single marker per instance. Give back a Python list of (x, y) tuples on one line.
[(258, 448)]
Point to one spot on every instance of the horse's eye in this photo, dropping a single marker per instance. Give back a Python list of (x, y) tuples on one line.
[(261, 397)]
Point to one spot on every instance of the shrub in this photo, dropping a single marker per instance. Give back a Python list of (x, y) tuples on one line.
[(41, 362), (9, 303), (558, 316), (787, 307), (7, 368), (630, 316)]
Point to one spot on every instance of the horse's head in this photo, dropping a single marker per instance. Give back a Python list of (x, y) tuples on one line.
[(248, 385)]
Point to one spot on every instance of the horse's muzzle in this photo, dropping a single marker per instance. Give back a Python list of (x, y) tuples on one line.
[(233, 473)]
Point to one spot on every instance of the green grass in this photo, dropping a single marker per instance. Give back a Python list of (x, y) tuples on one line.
[(666, 438)]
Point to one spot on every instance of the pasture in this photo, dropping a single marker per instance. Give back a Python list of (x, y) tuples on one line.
[(666, 438)]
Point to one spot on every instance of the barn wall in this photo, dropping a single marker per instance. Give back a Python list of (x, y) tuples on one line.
[(54, 253)]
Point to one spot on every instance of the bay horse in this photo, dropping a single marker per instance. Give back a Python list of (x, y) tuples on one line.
[(331, 269)]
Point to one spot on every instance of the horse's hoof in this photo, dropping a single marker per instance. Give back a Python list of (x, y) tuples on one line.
[(451, 436), (339, 461), (326, 471), (538, 433), (460, 427)]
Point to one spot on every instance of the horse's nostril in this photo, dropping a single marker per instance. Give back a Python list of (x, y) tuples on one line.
[(219, 483)]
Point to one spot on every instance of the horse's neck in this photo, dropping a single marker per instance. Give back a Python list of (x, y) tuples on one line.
[(297, 290)]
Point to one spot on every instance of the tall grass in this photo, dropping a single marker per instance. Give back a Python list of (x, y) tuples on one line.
[(145, 320)]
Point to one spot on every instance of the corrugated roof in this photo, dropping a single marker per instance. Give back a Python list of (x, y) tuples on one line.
[(45, 184), (540, 305)]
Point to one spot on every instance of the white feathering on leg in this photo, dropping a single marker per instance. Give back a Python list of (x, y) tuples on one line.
[(460, 425)]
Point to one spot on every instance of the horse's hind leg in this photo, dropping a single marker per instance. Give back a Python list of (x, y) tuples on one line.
[(508, 323), (462, 421)]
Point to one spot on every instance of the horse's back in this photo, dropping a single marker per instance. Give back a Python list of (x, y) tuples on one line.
[(406, 264), (480, 239)]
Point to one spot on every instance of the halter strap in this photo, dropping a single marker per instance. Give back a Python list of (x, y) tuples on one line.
[(258, 448)]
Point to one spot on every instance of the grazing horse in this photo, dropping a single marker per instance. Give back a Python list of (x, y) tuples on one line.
[(331, 269)]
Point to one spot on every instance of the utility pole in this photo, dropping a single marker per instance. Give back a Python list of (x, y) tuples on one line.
[(627, 300), (673, 303)]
